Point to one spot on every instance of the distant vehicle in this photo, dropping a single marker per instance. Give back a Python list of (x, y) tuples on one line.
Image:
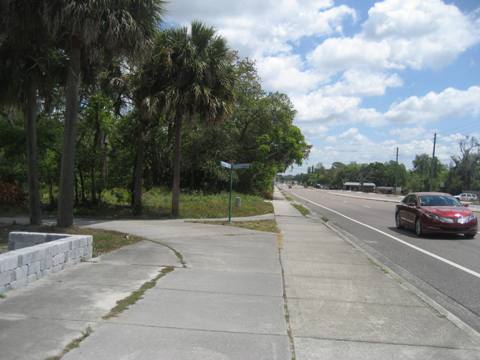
[(467, 197), (429, 212)]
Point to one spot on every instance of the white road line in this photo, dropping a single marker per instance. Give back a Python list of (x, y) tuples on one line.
[(446, 261)]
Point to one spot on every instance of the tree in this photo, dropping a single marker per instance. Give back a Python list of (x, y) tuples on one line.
[(272, 143), (421, 174), (465, 172), (86, 30), (200, 80), (97, 120), (26, 56)]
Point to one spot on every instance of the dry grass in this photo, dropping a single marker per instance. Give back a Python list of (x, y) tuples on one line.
[(303, 210), (131, 299), (259, 225), (103, 240)]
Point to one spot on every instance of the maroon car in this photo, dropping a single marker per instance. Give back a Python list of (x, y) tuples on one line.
[(430, 212)]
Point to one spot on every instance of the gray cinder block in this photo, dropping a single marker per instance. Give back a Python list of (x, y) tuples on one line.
[(35, 255)]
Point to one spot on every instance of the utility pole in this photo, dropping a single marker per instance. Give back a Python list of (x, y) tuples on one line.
[(396, 172), (433, 160)]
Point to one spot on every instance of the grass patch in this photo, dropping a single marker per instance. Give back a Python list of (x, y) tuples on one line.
[(157, 205), (259, 225), (103, 240), (3, 296), (289, 198), (207, 206), (303, 210), (131, 299), (72, 344)]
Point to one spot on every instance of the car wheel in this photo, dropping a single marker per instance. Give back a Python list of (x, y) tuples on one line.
[(398, 221), (418, 227), (469, 236)]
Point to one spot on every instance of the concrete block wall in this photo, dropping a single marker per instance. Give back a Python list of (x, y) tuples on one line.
[(22, 266), (19, 240)]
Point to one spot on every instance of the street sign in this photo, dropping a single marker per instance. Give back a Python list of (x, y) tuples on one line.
[(225, 164), (232, 167), (241, 166)]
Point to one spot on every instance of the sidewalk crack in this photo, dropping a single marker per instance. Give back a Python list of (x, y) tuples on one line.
[(285, 301), (179, 256)]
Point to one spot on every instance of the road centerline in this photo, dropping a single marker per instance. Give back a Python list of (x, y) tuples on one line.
[(426, 252)]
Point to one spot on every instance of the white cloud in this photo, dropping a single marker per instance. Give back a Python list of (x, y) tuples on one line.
[(363, 83), (399, 34), (334, 110), (340, 110), (339, 54), (315, 106), (450, 103), (328, 86), (267, 31), (353, 137), (314, 131), (352, 145), (408, 133), (262, 28), (285, 73)]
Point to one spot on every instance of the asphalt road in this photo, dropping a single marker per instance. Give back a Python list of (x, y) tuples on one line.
[(446, 268)]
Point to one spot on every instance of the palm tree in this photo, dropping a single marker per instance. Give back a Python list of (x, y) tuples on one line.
[(146, 108), (199, 82), (87, 30), (26, 56)]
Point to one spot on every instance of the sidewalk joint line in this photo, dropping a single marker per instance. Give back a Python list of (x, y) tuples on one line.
[(389, 343), (219, 292), (120, 323), (359, 302)]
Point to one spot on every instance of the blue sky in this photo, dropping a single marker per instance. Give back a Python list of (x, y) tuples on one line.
[(364, 76)]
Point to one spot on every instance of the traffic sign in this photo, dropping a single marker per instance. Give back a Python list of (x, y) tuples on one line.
[(232, 167), (240, 166), (225, 164)]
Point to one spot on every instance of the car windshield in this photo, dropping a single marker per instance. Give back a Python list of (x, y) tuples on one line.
[(438, 200)]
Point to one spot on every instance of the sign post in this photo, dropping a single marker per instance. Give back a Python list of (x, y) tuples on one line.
[(232, 167)]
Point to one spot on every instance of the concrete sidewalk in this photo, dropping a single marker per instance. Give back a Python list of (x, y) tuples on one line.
[(344, 306), (229, 297), (39, 320), (226, 304), (224, 299)]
